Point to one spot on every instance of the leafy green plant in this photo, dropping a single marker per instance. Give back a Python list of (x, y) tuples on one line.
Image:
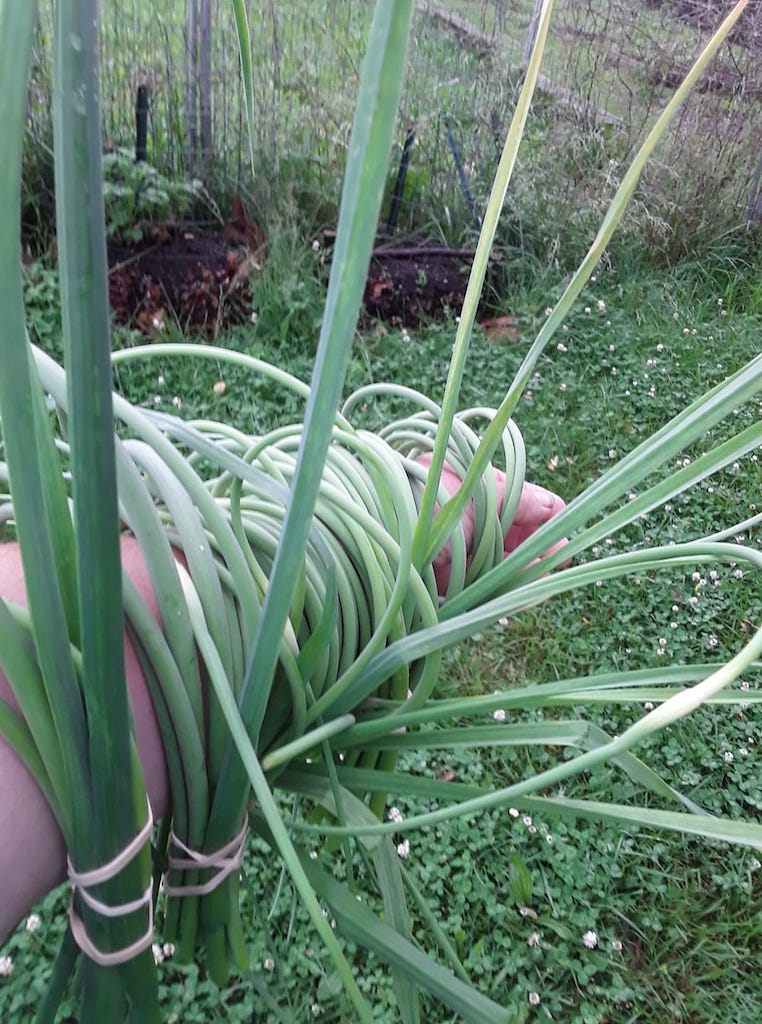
[(137, 196), (308, 592)]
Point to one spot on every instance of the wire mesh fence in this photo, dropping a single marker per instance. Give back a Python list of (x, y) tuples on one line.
[(609, 67)]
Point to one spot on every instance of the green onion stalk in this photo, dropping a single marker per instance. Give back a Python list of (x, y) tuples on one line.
[(64, 658), (300, 626)]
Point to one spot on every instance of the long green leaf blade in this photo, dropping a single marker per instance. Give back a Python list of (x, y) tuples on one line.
[(378, 97), (117, 789)]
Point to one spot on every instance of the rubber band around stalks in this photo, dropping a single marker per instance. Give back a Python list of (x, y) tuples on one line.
[(225, 861), (81, 881)]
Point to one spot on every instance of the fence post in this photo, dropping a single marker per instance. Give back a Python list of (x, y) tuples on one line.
[(205, 86), (191, 75), (141, 124), (531, 32), (754, 208)]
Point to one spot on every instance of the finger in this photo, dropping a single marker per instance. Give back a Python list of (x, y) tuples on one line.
[(536, 506)]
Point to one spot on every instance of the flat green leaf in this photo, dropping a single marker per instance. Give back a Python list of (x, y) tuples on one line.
[(361, 925), (741, 833)]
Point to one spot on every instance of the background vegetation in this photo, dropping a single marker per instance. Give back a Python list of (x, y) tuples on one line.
[(610, 64)]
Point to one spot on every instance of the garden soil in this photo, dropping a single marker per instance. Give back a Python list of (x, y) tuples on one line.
[(203, 282)]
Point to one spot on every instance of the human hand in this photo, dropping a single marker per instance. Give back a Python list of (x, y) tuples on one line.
[(536, 506)]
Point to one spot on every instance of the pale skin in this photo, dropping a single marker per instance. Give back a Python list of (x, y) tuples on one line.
[(32, 852)]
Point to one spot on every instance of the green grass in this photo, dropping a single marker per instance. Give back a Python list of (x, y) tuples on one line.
[(678, 921)]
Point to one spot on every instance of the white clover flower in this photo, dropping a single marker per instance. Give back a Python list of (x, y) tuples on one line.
[(533, 940), (6, 966), (549, 839), (513, 812), (499, 715), (648, 705), (315, 245), (158, 955), (160, 381), (315, 1010), (534, 998), (268, 963), (601, 306), (548, 310), (527, 820), (616, 945), (168, 949), (403, 848), (590, 940), (254, 317), (177, 402), (728, 756), (395, 814)]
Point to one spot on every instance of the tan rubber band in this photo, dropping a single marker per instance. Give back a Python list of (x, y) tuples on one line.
[(225, 861), (82, 880)]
